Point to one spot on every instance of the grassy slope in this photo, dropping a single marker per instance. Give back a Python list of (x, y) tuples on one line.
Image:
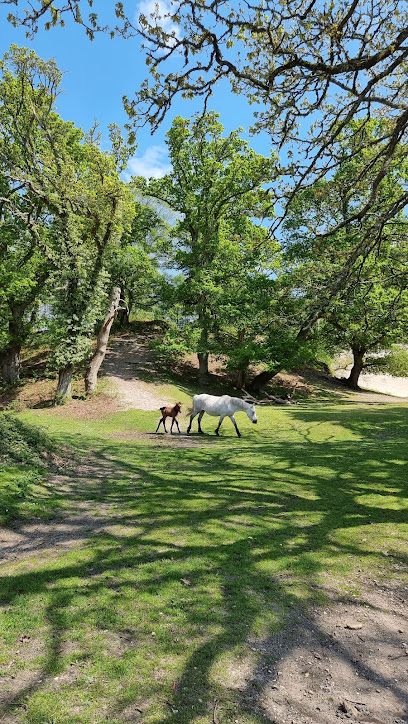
[(203, 548), (25, 456)]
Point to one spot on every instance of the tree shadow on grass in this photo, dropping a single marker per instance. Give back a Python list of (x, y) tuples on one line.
[(229, 544)]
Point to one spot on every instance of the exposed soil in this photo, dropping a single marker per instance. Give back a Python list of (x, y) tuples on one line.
[(170, 440), (348, 661), (130, 379), (127, 361)]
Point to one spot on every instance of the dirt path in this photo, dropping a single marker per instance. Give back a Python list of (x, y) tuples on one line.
[(368, 396), (128, 359), (388, 387)]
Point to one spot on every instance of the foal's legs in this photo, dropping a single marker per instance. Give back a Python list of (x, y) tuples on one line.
[(219, 424), (174, 420), (232, 418), (162, 420)]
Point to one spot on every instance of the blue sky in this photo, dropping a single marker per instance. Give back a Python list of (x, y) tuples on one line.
[(99, 73)]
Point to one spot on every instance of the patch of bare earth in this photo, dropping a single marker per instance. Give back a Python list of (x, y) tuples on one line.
[(41, 394), (345, 662), (127, 361), (170, 440)]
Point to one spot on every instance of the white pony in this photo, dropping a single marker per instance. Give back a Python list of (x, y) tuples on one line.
[(224, 406)]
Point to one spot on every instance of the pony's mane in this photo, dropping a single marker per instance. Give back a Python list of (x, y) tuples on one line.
[(243, 404)]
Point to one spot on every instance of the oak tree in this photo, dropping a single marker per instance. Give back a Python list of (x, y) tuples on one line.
[(216, 184)]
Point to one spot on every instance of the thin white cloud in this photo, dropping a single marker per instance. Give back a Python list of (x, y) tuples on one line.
[(153, 164), (158, 12)]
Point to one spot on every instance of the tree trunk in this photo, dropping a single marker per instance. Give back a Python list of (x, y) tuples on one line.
[(261, 380), (123, 318), (91, 373), (240, 379), (358, 355), (203, 375), (64, 385), (10, 365)]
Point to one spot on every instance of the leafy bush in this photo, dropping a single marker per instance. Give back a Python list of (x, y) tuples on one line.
[(397, 362), (175, 344), (394, 362)]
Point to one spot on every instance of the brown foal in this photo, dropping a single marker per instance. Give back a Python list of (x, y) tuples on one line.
[(169, 412)]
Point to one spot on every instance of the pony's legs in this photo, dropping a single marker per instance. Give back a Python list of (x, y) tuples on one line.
[(200, 417), (219, 424), (178, 427), (160, 422), (174, 420), (191, 420), (232, 418)]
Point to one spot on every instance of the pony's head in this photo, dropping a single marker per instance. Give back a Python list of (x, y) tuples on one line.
[(250, 411)]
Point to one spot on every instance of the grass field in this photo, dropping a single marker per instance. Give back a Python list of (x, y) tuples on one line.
[(205, 546)]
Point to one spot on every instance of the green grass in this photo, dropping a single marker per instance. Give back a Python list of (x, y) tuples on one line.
[(205, 551), (25, 452)]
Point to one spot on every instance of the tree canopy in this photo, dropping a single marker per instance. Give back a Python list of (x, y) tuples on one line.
[(308, 67), (216, 190), (64, 212), (361, 296)]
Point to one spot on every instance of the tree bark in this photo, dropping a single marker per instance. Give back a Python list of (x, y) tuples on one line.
[(10, 356), (91, 374), (123, 318), (261, 380), (203, 375), (64, 385), (240, 379), (10, 364), (358, 355)]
